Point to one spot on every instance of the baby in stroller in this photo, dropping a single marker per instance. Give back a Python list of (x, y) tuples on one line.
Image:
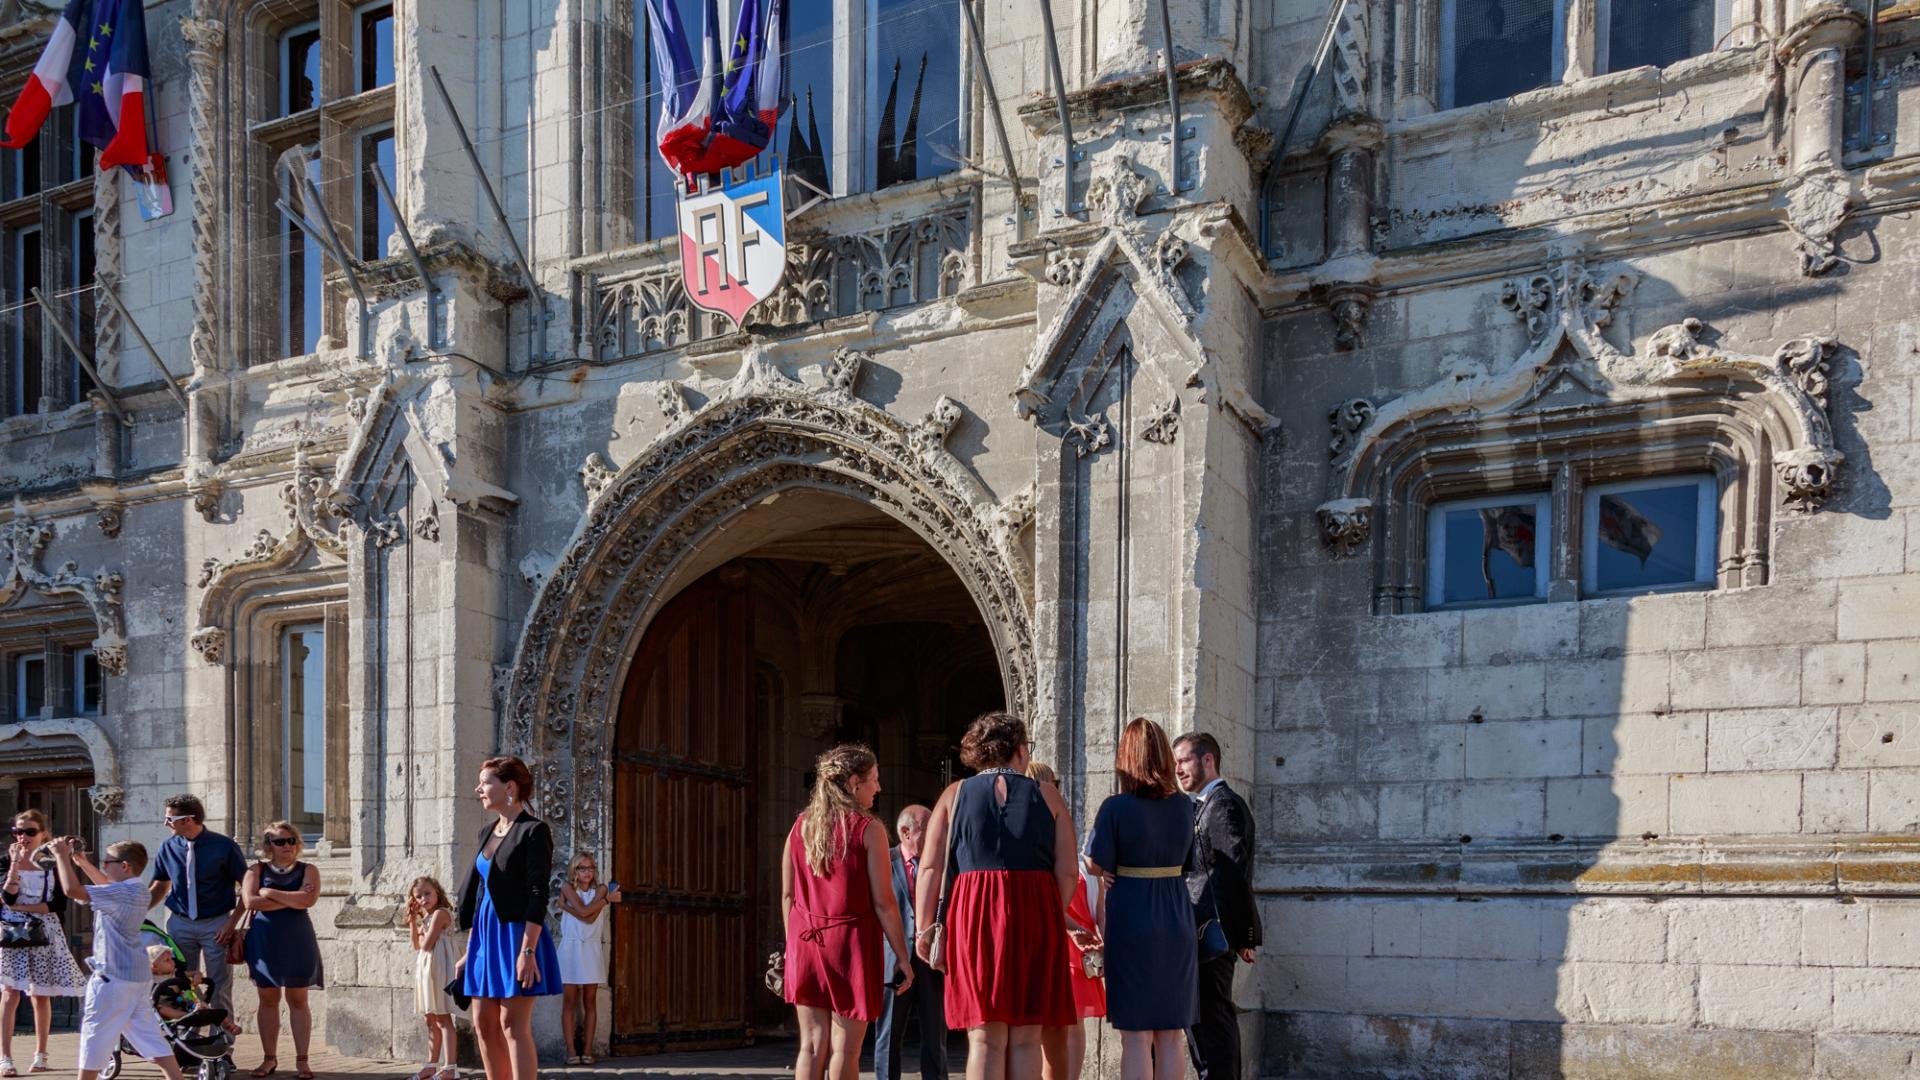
[(192, 1027)]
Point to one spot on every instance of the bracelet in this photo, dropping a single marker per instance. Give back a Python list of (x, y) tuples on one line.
[(527, 950)]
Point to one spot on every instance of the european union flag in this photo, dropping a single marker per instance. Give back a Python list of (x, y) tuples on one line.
[(109, 75)]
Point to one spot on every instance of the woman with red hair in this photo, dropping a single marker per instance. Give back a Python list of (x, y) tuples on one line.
[(1142, 837)]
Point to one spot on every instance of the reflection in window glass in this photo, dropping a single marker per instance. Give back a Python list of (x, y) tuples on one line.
[(303, 707), (376, 219), (80, 304), (23, 353), (300, 69), (304, 275), (1487, 550), (809, 135), (1651, 535), (654, 199), (1493, 49), (913, 94), (374, 49), (86, 682), (29, 686), (1656, 32)]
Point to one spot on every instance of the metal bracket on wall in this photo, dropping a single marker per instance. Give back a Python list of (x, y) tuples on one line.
[(86, 359), (167, 377), (436, 300)]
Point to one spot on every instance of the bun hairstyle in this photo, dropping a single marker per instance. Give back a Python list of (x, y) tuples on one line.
[(834, 773), (992, 740), (511, 770)]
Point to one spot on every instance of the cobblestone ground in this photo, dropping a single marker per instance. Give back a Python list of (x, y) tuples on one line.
[(767, 1061)]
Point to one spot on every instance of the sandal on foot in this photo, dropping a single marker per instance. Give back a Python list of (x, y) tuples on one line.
[(39, 1062), (267, 1067), (448, 1072), (6, 1067), (301, 1070), (425, 1071)]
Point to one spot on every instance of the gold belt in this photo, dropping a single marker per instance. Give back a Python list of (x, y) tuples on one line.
[(1148, 871)]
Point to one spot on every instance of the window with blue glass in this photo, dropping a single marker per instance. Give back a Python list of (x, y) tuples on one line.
[(1488, 551), (1493, 49), (46, 241), (376, 218), (1649, 535), (373, 47), (913, 90), (300, 68)]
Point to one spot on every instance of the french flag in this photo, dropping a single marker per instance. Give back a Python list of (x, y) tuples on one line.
[(111, 83), (723, 113), (48, 85)]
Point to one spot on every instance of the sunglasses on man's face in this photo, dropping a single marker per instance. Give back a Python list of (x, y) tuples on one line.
[(172, 818), (283, 841), (25, 830), (110, 862)]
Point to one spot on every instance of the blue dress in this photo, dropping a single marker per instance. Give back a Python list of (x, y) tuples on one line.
[(493, 952), (282, 949), (1153, 954)]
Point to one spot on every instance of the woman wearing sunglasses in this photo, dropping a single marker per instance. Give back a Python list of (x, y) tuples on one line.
[(283, 955), (30, 893)]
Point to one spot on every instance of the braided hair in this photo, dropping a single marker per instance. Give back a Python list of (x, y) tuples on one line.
[(834, 774)]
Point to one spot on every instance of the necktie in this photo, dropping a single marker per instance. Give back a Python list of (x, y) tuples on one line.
[(193, 886), (913, 877)]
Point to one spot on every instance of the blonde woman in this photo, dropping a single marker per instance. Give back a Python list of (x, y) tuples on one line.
[(836, 898), (30, 892), (283, 954), (583, 953)]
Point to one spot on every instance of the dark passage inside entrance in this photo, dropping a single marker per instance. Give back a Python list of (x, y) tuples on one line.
[(810, 620)]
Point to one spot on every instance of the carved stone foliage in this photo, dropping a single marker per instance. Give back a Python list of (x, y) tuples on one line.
[(1352, 44), (645, 309), (930, 434), (1062, 268), (845, 369), (1164, 425), (673, 401), (206, 38), (110, 519), (761, 434), (427, 525), (22, 541), (316, 518), (109, 801), (595, 476), (1718, 402)]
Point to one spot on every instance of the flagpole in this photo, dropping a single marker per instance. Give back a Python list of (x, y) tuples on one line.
[(80, 354), (1059, 100), (1173, 94), (993, 101)]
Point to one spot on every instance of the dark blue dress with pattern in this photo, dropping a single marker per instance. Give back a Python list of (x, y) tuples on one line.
[(1153, 955), (282, 949)]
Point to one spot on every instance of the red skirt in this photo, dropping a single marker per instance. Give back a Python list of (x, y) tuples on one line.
[(1089, 994), (1005, 938)]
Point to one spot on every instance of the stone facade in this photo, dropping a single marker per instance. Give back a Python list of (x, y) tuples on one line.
[(1169, 419)]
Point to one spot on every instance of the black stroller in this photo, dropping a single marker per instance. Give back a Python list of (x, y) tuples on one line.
[(201, 1043)]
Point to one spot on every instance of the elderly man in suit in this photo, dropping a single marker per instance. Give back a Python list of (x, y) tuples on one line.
[(1221, 885), (926, 996)]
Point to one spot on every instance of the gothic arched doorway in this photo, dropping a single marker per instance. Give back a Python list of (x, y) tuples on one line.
[(839, 624)]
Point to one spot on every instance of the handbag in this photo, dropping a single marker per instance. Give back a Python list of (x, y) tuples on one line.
[(237, 945), (22, 932), (936, 934), (457, 990), (776, 976)]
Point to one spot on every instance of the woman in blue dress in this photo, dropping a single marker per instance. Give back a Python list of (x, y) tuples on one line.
[(510, 957), (283, 953), (1142, 837)]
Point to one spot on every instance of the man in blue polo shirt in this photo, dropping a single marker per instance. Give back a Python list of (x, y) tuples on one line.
[(203, 910)]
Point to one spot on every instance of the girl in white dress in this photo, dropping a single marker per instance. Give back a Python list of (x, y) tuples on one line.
[(583, 954), (29, 892), (430, 926)]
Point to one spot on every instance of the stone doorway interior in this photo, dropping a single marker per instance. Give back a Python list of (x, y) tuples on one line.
[(811, 619)]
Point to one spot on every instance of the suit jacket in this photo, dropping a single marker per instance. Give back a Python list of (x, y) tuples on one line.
[(1222, 876), (899, 865), (518, 873)]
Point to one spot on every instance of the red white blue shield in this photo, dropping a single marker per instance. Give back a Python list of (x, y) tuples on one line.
[(733, 240)]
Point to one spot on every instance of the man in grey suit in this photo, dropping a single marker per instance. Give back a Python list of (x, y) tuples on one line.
[(926, 995)]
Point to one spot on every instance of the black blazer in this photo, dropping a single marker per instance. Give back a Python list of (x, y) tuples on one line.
[(517, 880), (1222, 875)]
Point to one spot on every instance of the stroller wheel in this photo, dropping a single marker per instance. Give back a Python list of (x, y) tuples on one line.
[(112, 1068)]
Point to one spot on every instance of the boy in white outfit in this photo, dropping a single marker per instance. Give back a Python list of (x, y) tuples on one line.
[(117, 994)]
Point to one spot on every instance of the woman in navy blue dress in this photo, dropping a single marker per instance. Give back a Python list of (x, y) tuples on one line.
[(510, 957), (283, 953), (1142, 836)]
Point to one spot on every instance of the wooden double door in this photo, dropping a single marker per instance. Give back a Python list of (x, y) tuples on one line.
[(684, 833)]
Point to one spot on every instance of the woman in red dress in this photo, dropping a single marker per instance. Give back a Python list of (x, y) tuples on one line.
[(1066, 1048), (1011, 851), (836, 896)]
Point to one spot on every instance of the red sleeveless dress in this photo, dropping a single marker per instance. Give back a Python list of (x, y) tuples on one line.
[(1089, 993), (1006, 930), (833, 935)]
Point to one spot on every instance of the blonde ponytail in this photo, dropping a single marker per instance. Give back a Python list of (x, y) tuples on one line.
[(834, 775)]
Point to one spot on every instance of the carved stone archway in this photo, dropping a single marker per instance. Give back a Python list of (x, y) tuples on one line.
[(762, 434)]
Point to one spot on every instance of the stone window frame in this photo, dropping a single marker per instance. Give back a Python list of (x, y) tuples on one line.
[(56, 210), (58, 635), (260, 619), (335, 125), (1419, 33), (609, 123)]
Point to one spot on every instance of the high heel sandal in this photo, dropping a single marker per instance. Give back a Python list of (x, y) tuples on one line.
[(300, 1069), (267, 1067), (39, 1062)]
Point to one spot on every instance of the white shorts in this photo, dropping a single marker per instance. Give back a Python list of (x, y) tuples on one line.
[(113, 1009)]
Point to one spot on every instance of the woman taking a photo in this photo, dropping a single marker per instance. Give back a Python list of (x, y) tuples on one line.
[(1004, 929), (29, 894), (1142, 836), (510, 958), (283, 954), (836, 897)]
